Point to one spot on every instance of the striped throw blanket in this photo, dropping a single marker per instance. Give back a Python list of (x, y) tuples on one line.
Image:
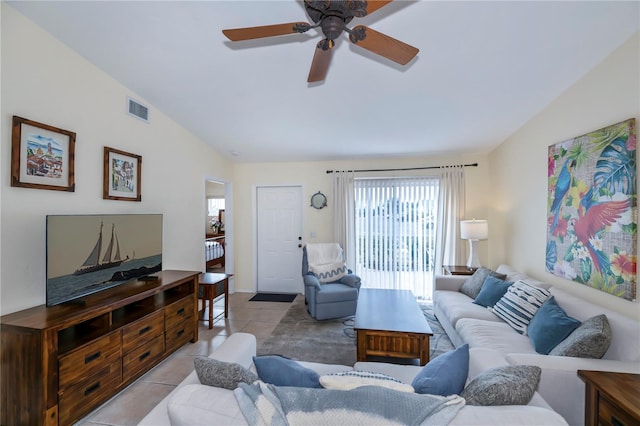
[(265, 404)]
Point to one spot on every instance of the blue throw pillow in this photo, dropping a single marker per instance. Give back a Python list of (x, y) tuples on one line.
[(550, 326), (281, 371), (492, 290), (445, 375)]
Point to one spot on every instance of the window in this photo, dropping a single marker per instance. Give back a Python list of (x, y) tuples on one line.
[(395, 233), (214, 205)]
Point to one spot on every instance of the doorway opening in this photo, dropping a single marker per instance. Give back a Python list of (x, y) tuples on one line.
[(215, 244)]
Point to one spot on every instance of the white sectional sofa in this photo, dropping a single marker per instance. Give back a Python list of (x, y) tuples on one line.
[(192, 403), (490, 338)]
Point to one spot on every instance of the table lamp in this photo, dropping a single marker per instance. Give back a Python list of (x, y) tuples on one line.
[(474, 231)]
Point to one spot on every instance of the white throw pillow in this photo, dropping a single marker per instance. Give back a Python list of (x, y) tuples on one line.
[(348, 380)]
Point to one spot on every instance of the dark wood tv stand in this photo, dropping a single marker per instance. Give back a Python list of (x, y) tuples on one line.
[(61, 362)]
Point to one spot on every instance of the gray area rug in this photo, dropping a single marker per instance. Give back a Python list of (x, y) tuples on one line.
[(300, 337)]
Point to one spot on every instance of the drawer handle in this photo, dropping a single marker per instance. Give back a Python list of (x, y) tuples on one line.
[(92, 388), (144, 355), (180, 333), (144, 330), (180, 311), (93, 357), (616, 422)]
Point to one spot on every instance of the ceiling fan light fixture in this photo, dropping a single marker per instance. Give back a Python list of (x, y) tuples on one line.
[(333, 17)]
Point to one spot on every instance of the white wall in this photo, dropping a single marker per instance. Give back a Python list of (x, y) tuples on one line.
[(608, 94), (44, 81), (312, 177)]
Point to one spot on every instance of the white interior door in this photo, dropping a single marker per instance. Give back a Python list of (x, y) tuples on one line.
[(279, 237)]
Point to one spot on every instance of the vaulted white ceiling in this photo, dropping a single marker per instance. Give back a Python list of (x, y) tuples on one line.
[(484, 69)]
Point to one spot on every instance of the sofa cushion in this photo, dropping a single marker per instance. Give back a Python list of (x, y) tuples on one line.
[(509, 385), (550, 326), (222, 374), (456, 306), (281, 371), (514, 275), (590, 340), (471, 287), (445, 375), (195, 404), (493, 335), (492, 290), (519, 304), (348, 380)]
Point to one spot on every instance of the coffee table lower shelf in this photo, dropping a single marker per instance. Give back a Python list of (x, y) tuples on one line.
[(392, 344)]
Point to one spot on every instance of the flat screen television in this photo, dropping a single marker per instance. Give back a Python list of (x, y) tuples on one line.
[(91, 253)]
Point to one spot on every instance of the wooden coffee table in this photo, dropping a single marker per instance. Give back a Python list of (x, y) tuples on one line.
[(389, 323)]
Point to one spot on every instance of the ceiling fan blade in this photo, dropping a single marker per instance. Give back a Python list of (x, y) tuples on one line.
[(383, 45), (321, 61), (373, 5), (239, 34)]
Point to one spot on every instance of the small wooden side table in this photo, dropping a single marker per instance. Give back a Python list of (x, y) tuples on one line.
[(210, 286), (611, 398), (458, 270)]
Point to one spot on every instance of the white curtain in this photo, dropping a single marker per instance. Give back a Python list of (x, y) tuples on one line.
[(344, 213), (451, 209), (395, 231)]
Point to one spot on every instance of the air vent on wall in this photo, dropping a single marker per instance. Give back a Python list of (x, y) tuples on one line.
[(137, 110)]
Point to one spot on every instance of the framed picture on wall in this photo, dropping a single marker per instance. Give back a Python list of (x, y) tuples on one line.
[(122, 175), (42, 156)]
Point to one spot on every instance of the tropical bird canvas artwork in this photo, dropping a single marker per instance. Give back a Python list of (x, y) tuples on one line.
[(592, 210)]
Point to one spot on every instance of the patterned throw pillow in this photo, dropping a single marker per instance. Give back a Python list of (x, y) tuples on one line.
[(471, 287), (222, 374), (352, 379), (329, 272), (508, 385), (519, 304), (590, 340)]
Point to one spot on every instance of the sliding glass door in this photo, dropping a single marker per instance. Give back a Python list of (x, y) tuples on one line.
[(395, 233)]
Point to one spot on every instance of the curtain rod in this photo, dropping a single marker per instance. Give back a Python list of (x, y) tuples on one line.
[(408, 168)]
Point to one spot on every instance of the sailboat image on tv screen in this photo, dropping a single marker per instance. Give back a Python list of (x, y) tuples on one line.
[(111, 256)]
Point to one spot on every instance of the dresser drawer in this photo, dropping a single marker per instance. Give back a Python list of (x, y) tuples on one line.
[(610, 414), (179, 334), (142, 331), (179, 312), (78, 399), (76, 366), (142, 358)]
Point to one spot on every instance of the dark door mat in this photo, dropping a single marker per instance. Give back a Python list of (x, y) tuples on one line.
[(273, 297)]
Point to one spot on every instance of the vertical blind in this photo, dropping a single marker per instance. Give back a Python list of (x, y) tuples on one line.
[(395, 233)]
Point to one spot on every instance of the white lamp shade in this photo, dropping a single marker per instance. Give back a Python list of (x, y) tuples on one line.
[(474, 229)]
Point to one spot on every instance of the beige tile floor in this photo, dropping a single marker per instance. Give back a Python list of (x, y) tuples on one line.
[(134, 402)]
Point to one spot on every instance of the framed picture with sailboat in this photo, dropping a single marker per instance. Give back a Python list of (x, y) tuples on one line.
[(122, 175)]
